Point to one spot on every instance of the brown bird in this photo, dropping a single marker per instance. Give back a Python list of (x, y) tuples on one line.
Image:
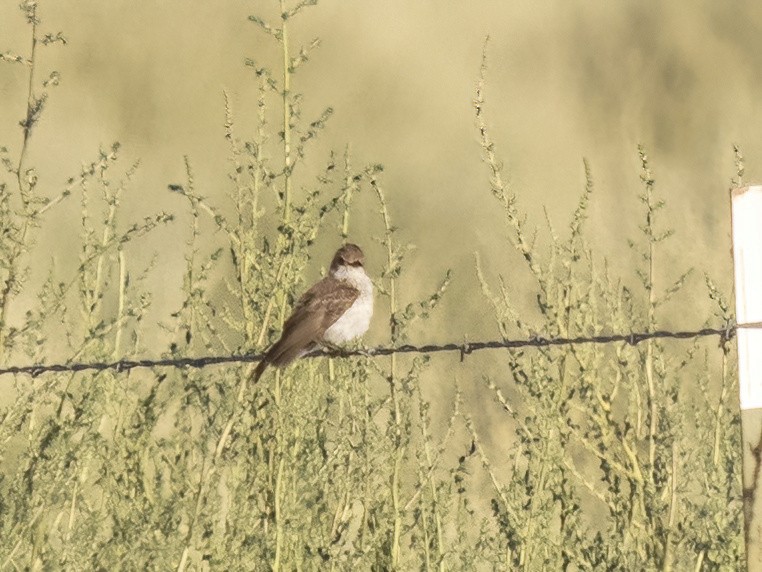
[(335, 310)]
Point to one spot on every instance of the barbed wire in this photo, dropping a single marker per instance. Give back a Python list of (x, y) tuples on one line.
[(464, 348)]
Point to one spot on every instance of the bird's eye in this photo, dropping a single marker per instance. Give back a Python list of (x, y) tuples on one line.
[(355, 263)]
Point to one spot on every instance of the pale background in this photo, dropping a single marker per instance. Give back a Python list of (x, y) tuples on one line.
[(566, 80)]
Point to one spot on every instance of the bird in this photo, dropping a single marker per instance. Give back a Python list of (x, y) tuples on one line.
[(335, 310)]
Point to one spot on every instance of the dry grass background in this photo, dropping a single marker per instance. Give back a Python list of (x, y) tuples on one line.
[(566, 80)]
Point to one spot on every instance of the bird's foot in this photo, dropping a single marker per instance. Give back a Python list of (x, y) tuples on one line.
[(365, 350), (360, 349), (330, 348), (356, 348)]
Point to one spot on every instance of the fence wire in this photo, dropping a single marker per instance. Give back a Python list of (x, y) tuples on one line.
[(464, 348)]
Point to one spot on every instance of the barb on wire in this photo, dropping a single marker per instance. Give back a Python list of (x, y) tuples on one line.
[(725, 334)]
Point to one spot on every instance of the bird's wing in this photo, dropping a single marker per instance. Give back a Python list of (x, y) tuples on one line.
[(314, 313), (327, 301)]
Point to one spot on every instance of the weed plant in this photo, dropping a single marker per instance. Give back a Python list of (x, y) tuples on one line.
[(336, 464), (623, 459)]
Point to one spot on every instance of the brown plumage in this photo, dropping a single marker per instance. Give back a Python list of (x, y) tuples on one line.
[(316, 311)]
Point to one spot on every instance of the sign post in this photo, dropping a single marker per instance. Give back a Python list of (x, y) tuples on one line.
[(746, 215)]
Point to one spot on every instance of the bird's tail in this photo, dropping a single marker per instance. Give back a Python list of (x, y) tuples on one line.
[(282, 353), (261, 367)]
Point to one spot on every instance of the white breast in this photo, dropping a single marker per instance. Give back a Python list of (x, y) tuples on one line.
[(356, 320)]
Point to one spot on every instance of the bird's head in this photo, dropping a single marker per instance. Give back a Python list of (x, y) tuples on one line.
[(349, 255)]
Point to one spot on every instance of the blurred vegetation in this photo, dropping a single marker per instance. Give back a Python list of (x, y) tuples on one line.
[(621, 457)]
